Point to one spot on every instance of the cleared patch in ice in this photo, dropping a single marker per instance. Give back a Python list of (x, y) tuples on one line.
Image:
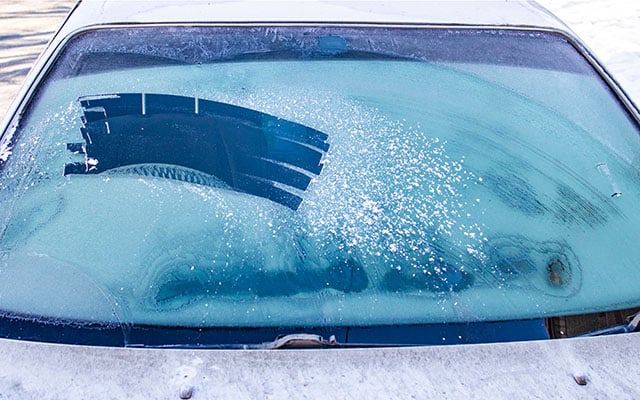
[(550, 267), (252, 152)]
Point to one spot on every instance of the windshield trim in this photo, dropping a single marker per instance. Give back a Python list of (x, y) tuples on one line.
[(600, 73)]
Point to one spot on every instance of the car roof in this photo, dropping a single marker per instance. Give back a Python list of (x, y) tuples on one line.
[(441, 12)]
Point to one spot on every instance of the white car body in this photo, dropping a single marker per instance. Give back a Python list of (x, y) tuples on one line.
[(590, 367)]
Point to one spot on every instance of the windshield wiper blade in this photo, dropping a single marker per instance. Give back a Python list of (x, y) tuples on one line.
[(630, 326)]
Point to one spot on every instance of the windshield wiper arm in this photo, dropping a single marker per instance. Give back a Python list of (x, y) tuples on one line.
[(300, 341), (630, 326)]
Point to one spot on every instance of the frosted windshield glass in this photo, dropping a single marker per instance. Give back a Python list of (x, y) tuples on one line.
[(315, 178)]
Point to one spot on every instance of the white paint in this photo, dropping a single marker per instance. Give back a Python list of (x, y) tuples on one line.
[(542, 369)]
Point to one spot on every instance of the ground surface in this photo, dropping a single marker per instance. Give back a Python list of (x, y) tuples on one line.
[(25, 28)]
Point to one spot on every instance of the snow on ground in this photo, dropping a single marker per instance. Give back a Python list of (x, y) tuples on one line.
[(611, 28)]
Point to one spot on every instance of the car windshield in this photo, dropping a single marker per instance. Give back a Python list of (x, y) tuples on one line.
[(202, 178)]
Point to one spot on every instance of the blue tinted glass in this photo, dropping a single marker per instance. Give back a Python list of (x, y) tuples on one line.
[(319, 177)]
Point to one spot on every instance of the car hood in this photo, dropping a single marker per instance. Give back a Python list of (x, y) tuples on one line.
[(568, 368)]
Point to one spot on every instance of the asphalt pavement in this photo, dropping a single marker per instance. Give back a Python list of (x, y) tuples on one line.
[(25, 28)]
